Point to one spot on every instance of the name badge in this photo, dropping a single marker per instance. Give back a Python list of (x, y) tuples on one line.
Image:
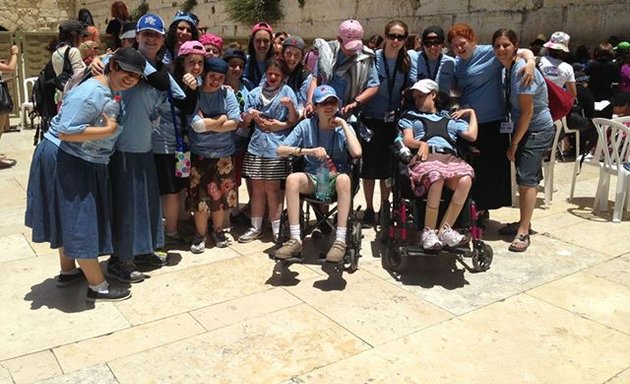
[(506, 127), (389, 117)]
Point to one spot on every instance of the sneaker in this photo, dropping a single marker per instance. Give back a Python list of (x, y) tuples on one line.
[(198, 244), (369, 218), (450, 237), (155, 259), (251, 235), (64, 280), (290, 248), (220, 240), (112, 294), (430, 240), (336, 252), (124, 271)]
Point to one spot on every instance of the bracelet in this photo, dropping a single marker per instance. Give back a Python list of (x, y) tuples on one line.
[(357, 101), (300, 151)]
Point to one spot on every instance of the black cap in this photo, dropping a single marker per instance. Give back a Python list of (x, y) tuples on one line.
[(128, 31), (232, 53), (214, 64), (130, 60), (434, 29), (73, 26)]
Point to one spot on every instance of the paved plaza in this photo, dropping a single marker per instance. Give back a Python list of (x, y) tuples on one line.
[(559, 313)]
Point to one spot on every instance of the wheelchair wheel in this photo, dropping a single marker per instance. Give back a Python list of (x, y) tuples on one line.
[(394, 259), (354, 246), (284, 233), (384, 221), (482, 254)]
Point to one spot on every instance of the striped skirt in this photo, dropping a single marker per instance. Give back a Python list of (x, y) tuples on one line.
[(265, 168)]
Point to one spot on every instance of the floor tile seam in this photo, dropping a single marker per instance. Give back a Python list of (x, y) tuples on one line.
[(616, 375), (551, 236), (112, 372), (8, 370), (584, 317)]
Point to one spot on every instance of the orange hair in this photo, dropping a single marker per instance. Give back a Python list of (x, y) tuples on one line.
[(462, 30)]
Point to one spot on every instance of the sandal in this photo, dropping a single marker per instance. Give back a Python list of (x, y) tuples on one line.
[(520, 243), (510, 229), (7, 163)]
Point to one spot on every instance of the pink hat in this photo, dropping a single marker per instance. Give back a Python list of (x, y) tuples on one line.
[(262, 26), (211, 39), (192, 46), (559, 40), (351, 33)]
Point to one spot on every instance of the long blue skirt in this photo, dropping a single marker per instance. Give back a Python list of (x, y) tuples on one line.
[(42, 206), (137, 225), (85, 204)]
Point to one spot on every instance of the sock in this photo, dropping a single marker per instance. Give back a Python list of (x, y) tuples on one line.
[(430, 217), (102, 287), (275, 227), (73, 271), (341, 234), (452, 212), (171, 234), (294, 230), (257, 222)]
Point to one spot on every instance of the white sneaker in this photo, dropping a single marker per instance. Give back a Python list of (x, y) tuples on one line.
[(430, 240), (450, 237)]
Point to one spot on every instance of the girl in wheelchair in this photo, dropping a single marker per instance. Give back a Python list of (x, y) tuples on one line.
[(322, 139), (433, 134)]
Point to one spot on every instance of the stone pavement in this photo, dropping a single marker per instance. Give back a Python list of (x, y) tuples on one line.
[(558, 313)]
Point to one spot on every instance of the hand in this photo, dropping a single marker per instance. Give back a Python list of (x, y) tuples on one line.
[(461, 113), (528, 73), (110, 124), (336, 121), (345, 111), (286, 101), (318, 152), (198, 126), (423, 151), (97, 67), (308, 110), (15, 50), (511, 153), (190, 81)]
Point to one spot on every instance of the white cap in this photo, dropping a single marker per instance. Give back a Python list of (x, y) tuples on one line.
[(426, 86)]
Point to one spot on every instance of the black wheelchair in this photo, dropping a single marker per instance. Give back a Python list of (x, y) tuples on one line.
[(399, 219), (325, 213)]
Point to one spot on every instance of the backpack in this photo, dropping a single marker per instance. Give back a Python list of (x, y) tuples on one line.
[(560, 101)]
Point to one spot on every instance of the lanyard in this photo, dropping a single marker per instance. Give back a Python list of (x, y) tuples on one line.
[(507, 88), (390, 80), (437, 68)]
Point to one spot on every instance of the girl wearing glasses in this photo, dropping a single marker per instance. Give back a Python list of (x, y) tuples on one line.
[(259, 51), (395, 73), (431, 63)]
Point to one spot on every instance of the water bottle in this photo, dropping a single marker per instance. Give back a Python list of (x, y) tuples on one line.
[(322, 179), (330, 164), (401, 150), (111, 109)]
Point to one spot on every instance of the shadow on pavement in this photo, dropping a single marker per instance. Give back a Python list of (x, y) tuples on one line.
[(68, 300)]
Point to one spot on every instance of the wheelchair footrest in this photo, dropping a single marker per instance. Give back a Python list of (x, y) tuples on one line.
[(290, 260)]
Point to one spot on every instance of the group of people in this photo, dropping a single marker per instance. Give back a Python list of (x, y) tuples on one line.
[(192, 118)]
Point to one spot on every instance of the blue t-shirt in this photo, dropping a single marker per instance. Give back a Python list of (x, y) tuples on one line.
[(308, 135), (454, 127), (479, 80), (541, 119), (82, 107), (385, 101), (258, 72), (215, 145), (263, 143), (441, 70)]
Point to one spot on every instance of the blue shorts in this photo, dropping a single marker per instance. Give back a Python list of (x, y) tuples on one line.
[(529, 157)]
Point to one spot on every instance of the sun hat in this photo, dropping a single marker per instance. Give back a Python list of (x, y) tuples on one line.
[(559, 40), (351, 34)]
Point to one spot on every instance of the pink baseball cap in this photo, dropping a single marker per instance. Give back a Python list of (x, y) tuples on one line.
[(211, 39), (262, 26), (190, 47), (351, 34)]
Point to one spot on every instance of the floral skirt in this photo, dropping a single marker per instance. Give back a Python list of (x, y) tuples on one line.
[(212, 186), (437, 166)]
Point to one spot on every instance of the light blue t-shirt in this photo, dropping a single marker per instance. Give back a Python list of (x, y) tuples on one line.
[(389, 96), (541, 119), (214, 145), (82, 107), (441, 70), (411, 120), (308, 135), (479, 80), (263, 143)]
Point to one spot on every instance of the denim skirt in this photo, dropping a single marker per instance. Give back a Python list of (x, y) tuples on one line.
[(83, 188), (42, 206)]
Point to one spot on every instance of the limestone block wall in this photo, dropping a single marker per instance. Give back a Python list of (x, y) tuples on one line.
[(587, 21)]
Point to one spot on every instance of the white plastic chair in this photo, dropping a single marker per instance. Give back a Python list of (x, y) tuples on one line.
[(614, 142), (548, 166), (27, 104)]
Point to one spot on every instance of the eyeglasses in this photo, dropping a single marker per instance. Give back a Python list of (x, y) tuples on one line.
[(194, 17), (392, 36), (433, 43)]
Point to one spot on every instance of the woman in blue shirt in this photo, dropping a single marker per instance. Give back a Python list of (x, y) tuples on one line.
[(533, 129), (434, 133), (211, 189), (271, 107), (395, 73), (259, 51), (77, 172)]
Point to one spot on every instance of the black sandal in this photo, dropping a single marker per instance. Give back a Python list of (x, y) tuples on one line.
[(520, 243)]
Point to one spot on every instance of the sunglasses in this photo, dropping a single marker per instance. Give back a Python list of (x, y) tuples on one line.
[(188, 14), (392, 36), (433, 43)]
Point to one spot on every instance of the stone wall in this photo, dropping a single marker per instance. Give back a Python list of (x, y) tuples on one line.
[(586, 21)]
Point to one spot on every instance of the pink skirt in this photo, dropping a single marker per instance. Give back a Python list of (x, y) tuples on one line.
[(437, 166)]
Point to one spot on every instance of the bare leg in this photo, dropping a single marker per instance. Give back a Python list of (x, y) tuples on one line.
[(258, 198), (296, 183), (274, 199), (461, 186), (218, 218), (368, 192), (92, 271), (527, 201), (170, 208), (385, 190), (201, 223), (67, 264), (342, 185)]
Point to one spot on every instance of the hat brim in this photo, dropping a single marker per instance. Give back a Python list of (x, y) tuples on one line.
[(557, 46), (161, 32), (353, 45), (422, 89), (326, 97), (130, 68), (128, 35)]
